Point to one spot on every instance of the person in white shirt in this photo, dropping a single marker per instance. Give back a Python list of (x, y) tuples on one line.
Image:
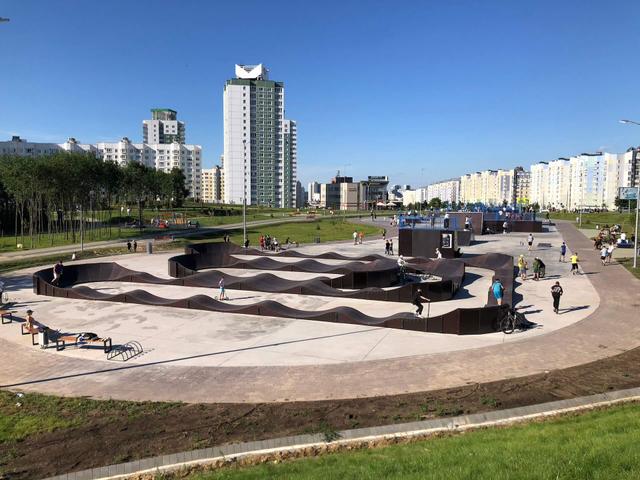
[(603, 254)]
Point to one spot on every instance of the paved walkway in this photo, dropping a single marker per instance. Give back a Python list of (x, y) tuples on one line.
[(611, 329)]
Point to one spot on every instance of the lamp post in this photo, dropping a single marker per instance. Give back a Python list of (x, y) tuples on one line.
[(635, 242)]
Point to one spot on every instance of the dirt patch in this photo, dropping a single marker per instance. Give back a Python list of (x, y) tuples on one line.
[(114, 435)]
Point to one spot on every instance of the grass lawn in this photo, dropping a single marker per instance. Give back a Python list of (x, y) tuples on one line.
[(590, 220), (303, 232), (595, 445)]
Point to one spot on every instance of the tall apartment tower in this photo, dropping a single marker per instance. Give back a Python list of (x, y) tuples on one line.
[(163, 128), (260, 146)]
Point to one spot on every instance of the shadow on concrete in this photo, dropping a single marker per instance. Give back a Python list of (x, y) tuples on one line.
[(573, 309), (175, 360)]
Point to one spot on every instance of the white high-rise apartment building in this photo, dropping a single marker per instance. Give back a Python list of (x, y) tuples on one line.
[(159, 156), (313, 193), (164, 127), (446, 190), (260, 157), (211, 191), (539, 189)]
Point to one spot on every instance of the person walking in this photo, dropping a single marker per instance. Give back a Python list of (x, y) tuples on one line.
[(135, 246), (222, 295), (391, 246), (556, 293), (530, 241), (355, 237), (498, 290), (402, 268), (384, 233), (417, 301), (438, 254), (574, 263), (563, 252), (386, 247), (603, 255), (610, 252), (505, 226), (129, 246)]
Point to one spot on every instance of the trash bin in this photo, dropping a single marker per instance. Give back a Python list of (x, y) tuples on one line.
[(43, 337), (149, 248)]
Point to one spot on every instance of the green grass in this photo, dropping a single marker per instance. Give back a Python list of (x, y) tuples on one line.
[(595, 445), (32, 413), (590, 220), (302, 232)]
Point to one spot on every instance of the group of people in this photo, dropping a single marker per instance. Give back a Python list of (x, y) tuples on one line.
[(358, 237), (497, 289), (388, 246), (132, 247)]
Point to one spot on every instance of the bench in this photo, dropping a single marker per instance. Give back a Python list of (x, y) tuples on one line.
[(64, 340), (25, 330), (7, 314)]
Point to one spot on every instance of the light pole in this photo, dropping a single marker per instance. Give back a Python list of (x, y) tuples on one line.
[(635, 242)]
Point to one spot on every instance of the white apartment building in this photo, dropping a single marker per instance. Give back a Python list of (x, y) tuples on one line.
[(211, 191), (419, 195), (446, 190), (588, 180), (164, 127), (260, 159), (313, 193), (159, 156), (489, 187)]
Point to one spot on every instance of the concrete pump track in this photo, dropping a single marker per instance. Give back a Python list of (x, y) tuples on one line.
[(365, 277)]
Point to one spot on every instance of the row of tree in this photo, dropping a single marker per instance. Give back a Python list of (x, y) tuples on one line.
[(69, 193)]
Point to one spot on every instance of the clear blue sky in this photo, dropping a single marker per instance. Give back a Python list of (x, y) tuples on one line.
[(420, 91)]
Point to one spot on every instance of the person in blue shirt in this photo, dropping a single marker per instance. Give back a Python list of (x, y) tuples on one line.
[(498, 290), (563, 252)]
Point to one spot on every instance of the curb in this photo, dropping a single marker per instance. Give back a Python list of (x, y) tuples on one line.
[(356, 437)]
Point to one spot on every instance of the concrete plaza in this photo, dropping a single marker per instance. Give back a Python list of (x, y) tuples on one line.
[(185, 347)]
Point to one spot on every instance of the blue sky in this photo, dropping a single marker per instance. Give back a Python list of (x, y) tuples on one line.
[(420, 91)]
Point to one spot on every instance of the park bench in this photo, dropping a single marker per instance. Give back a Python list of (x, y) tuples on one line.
[(33, 331), (62, 341), (7, 314)]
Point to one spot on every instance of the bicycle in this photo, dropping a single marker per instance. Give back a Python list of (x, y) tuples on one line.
[(512, 320)]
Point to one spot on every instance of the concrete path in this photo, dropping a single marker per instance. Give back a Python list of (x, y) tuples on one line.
[(611, 329)]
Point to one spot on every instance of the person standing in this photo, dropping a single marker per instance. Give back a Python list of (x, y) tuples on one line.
[(135, 246), (445, 221), (467, 223), (536, 268), (563, 252), (522, 267), (498, 290), (222, 295), (438, 254), (355, 237), (129, 246), (417, 301), (610, 252), (505, 226), (556, 293), (386, 247), (57, 273), (384, 233), (603, 255), (574, 263), (530, 241), (391, 246)]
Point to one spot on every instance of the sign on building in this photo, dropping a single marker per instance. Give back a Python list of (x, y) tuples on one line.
[(628, 193)]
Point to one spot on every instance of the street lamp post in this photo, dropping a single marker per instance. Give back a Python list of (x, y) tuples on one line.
[(635, 242)]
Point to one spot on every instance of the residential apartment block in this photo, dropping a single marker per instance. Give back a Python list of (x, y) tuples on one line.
[(163, 157), (260, 146), (211, 190), (446, 190), (163, 128)]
